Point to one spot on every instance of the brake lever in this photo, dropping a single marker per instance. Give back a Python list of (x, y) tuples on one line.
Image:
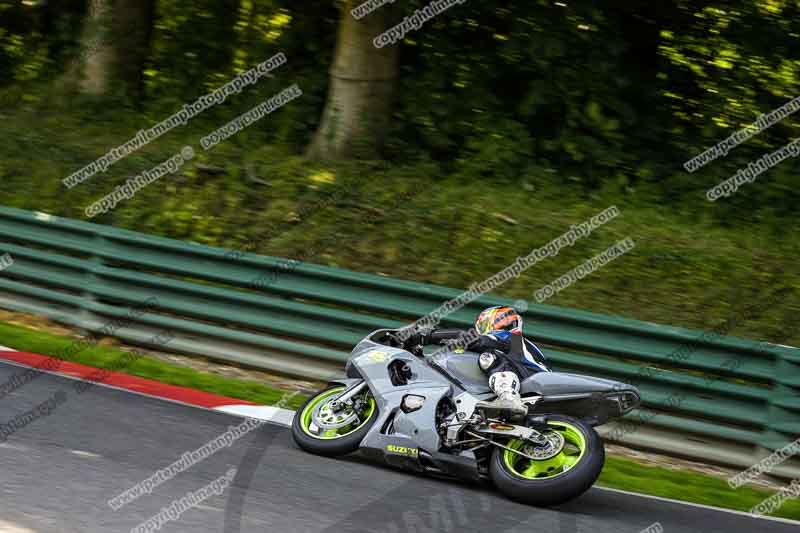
[(396, 342)]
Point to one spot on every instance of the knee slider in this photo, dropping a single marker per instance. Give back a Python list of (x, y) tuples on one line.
[(486, 360)]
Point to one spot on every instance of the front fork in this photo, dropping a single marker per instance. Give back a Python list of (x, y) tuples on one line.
[(346, 398)]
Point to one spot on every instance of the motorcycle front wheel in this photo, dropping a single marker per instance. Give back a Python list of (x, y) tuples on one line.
[(566, 467), (318, 429)]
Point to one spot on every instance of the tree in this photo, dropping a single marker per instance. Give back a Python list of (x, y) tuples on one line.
[(132, 27), (362, 82), (94, 61), (114, 45)]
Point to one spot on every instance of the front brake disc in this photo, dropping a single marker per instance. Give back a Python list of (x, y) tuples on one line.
[(326, 418)]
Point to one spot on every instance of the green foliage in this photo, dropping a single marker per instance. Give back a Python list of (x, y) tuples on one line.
[(532, 112), (500, 149), (618, 95)]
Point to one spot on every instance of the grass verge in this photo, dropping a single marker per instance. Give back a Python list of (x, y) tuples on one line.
[(108, 357), (624, 474)]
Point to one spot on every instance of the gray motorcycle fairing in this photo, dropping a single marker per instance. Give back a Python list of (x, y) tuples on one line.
[(371, 361)]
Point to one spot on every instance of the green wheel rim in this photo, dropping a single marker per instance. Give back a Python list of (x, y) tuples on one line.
[(307, 415), (573, 451)]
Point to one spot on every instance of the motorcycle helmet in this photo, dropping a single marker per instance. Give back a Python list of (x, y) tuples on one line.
[(499, 318)]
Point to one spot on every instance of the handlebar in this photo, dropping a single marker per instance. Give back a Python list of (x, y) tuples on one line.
[(436, 337), (423, 338)]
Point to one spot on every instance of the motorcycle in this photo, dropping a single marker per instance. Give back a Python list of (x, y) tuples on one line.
[(417, 411)]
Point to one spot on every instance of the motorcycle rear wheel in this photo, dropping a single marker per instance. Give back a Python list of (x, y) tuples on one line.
[(553, 480)]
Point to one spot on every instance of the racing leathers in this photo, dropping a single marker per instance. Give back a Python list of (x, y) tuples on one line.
[(504, 368)]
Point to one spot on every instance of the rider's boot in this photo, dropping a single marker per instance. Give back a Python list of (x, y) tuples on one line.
[(508, 402)]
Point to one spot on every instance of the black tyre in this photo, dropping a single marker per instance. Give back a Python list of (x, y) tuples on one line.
[(553, 479), (341, 440)]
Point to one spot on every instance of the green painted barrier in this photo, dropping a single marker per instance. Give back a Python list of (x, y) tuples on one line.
[(303, 318)]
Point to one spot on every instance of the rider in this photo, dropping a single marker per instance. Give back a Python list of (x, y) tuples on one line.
[(496, 327)]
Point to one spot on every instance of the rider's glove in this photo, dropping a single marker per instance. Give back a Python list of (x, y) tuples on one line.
[(421, 337), (416, 339)]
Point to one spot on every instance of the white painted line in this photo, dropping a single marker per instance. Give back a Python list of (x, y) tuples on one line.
[(207, 508), (11, 527), (5, 349), (699, 505), (14, 447), (84, 454), (262, 412)]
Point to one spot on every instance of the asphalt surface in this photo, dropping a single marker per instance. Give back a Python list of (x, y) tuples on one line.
[(58, 472)]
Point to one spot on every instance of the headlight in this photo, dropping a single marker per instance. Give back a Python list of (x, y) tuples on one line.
[(412, 402)]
